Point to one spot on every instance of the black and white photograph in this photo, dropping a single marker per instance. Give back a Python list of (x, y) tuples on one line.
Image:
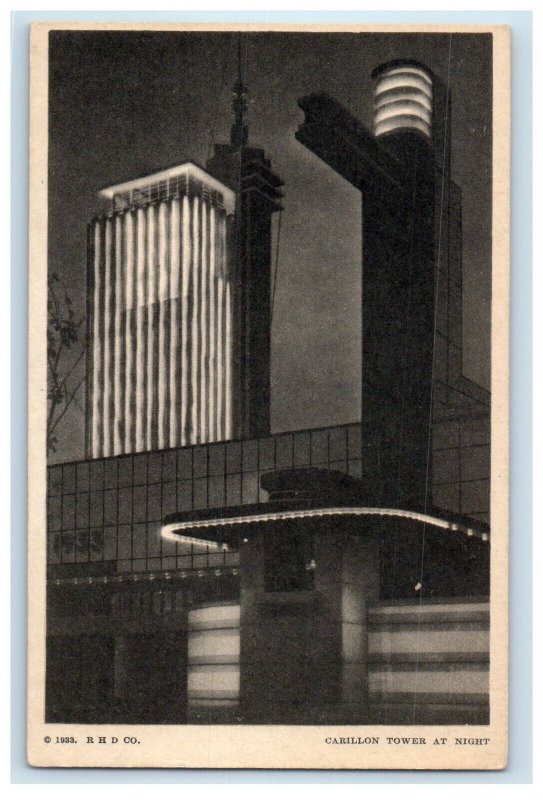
[(270, 398)]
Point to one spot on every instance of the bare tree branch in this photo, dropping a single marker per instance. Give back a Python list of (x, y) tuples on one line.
[(64, 353), (67, 404)]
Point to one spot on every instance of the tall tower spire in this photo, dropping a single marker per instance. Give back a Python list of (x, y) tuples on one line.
[(239, 131), (247, 171)]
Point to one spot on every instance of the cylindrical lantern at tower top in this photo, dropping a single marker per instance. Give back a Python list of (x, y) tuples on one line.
[(403, 98), (213, 677)]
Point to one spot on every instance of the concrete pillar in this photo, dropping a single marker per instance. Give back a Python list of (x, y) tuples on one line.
[(121, 666), (304, 653), (359, 587)]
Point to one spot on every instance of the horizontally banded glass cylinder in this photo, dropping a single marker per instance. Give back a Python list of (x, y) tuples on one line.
[(403, 101), (213, 679)]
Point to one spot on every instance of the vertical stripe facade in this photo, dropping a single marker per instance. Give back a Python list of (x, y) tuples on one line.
[(160, 327)]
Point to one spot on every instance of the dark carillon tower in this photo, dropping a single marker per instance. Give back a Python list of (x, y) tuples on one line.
[(399, 250), (406, 250), (408, 211), (247, 172)]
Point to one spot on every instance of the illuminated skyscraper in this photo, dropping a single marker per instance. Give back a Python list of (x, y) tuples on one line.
[(160, 321), (179, 303)]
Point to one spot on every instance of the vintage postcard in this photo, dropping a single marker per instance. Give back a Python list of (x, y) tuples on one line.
[(268, 464)]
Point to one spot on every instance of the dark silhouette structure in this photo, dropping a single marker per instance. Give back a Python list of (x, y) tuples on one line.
[(247, 171), (404, 176)]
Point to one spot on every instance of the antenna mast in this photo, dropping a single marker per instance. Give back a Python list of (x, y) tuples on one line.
[(239, 132)]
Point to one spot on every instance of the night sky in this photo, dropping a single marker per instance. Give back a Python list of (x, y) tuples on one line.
[(124, 104)]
